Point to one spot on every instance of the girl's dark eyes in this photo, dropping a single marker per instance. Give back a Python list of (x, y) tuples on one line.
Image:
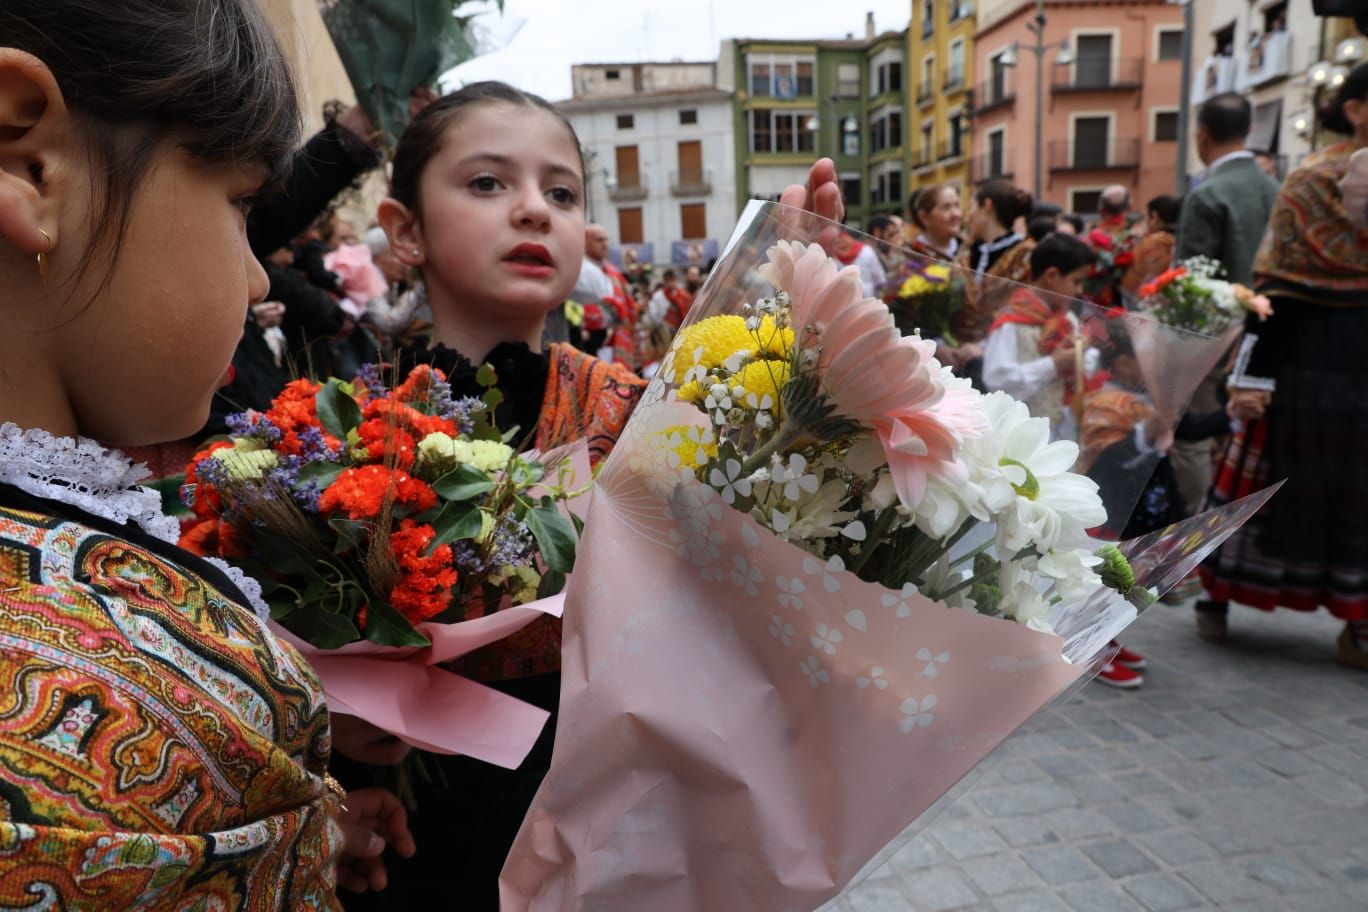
[(485, 183), (564, 196)]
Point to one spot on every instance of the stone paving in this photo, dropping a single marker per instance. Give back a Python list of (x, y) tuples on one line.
[(1235, 779)]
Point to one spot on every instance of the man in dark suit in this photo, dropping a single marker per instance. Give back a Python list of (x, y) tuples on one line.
[(1225, 217)]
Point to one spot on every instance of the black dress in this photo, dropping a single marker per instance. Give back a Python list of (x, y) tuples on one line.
[(464, 830)]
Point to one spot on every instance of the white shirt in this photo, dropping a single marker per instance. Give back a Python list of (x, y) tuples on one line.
[(1228, 157), (872, 275), (593, 284), (1004, 370)]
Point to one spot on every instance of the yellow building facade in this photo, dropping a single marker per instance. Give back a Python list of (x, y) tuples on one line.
[(940, 82)]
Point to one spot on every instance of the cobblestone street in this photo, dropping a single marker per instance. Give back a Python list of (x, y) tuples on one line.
[(1234, 780)]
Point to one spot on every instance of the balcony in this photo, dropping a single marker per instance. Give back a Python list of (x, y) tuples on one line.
[(925, 93), (630, 186), (961, 9), (1074, 155), (951, 149), (928, 27), (1269, 59), (954, 80), (1114, 74), (988, 166), (691, 183), (1215, 75), (921, 159), (994, 93)]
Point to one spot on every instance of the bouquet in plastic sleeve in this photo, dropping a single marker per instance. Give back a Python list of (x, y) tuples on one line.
[(925, 295), (821, 579), (392, 531), (1115, 254), (1196, 316), (391, 47)]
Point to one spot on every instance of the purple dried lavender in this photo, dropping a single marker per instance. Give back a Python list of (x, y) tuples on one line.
[(468, 557), (252, 423), (370, 376), (313, 447), (511, 543)]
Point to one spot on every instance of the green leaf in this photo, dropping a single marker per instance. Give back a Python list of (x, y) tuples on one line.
[(455, 524), (463, 483), (486, 376), (555, 536), (331, 631), (493, 398), (552, 582), (337, 412), (321, 473), (387, 627), (351, 534)]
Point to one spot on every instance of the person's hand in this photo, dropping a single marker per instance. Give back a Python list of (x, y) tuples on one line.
[(357, 122), (1063, 358), (970, 351), (420, 98), (364, 742), (371, 819), (1247, 404), (1159, 432), (950, 357), (822, 195), (268, 314)]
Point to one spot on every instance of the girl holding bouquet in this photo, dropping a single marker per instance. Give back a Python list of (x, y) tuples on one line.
[(487, 202), (1297, 386), (161, 748)]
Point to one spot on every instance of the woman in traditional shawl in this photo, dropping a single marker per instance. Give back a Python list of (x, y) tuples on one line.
[(1299, 386)]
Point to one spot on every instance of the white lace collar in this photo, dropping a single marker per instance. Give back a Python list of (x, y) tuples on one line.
[(102, 482)]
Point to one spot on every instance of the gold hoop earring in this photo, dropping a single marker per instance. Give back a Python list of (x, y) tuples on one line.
[(43, 256)]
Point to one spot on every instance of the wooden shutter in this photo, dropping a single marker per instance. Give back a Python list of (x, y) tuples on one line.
[(693, 221), (629, 226), (628, 167)]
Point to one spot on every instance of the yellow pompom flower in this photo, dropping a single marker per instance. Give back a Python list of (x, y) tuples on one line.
[(760, 384), (692, 392), (918, 284), (709, 343), (693, 445)]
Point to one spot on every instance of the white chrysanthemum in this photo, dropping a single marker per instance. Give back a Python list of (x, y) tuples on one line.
[(1072, 572), (814, 515)]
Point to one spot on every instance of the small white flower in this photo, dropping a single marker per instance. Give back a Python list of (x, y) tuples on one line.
[(855, 531), (876, 679), (825, 639), (781, 631), (759, 403), (746, 575), (790, 592), (816, 674), (918, 714), (794, 478), (932, 660), (763, 421), (902, 599), (729, 481)]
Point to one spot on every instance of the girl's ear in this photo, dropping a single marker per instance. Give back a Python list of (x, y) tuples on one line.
[(34, 155), (403, 230)]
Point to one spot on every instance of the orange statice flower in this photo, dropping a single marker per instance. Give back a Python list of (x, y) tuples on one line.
[(293, 411), (407, 417), (1151, 288), (426, 581), (361, 492), (383, 439), (203, 500)]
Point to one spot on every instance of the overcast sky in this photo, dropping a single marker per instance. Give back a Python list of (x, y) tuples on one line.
[(557, 33)]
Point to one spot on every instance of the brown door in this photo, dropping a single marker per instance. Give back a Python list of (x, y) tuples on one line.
[(629, 226), (691, 162), (628, 167), (693, 220)]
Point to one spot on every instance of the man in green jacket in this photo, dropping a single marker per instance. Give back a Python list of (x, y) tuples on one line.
[(1225, 217)]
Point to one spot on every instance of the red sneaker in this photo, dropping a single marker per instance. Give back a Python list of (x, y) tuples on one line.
[(1132, 660), (1114, 675)]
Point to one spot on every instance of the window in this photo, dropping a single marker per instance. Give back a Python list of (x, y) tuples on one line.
[(928, 80), (693, 221), (997, 154), (626, 121), (687, 118), (850, 190), (1084, 201), (1223, 41), (612, 74), (629, 226), (887, 78), (928, 18), (1093, 66), (928, 132), (894, 194), (1092, 139), (628, 167), (1275, 18), (781, 131), (781, 76), (996, 90), (885, 131), (1165, 126), (690, 159), (955, 147), (1171, 44), (954, 76), (848, 80)]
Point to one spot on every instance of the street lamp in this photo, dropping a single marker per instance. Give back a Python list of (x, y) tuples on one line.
[(1065, 57)]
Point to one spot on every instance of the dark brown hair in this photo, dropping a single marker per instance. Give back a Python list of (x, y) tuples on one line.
[(1354, 88), (925, 201), (1009, 201), (135, 74), (423, 138)]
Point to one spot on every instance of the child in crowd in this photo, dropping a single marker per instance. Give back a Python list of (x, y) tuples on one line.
[(161, 749), (1031, 351)]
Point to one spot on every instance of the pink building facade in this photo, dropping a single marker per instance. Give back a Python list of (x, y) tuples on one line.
[(1109, 115)]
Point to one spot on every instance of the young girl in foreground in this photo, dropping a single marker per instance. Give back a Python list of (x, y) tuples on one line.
[(159, 748), (487, 201)]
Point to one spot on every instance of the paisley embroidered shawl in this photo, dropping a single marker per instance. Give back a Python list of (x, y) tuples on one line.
[(158, 748)]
